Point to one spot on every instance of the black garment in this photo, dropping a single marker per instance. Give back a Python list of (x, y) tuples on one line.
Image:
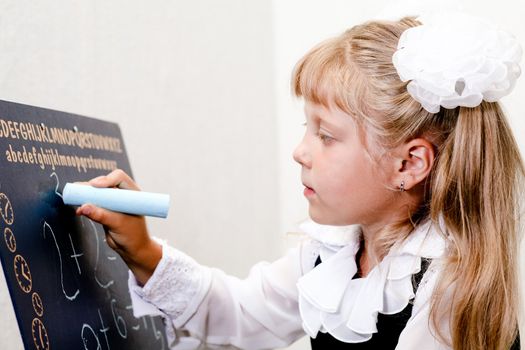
[(516, 345), (389, 327)]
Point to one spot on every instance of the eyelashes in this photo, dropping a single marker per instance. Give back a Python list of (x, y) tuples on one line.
[(324, 138)]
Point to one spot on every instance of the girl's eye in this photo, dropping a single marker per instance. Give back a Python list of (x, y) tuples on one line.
[(324, 138)]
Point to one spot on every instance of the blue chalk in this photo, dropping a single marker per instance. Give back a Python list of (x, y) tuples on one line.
[(124, 201)]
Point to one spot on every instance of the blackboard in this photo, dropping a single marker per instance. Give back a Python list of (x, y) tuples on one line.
[(68, 288)]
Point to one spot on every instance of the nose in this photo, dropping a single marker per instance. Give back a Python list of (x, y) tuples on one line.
[(300, 154)]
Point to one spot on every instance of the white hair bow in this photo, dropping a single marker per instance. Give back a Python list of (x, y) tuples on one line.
[(455, 59)]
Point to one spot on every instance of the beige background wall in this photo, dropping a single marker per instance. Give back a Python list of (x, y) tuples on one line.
[(200, 90)]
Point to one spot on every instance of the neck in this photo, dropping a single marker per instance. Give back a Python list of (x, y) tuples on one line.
[(372, 231), (395, 210), (368, 255)]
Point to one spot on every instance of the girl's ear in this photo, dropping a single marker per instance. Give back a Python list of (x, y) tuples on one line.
[(414, 162)]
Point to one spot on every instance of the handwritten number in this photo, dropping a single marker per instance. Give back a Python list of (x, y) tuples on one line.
[(119, 321), (87, 331), (53, 174), (103, 285), (104, 329), (75, 294), (158, 334), (136, 327), (85, 327)]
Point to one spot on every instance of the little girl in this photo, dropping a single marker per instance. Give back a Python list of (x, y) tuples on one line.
[(413, 179)]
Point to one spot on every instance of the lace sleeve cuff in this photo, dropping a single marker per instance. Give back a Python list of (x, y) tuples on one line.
[(176, 288)]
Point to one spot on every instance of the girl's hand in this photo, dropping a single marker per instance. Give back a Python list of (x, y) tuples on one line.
[(126, 234)]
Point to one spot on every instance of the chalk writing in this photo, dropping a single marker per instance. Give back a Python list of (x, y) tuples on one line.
[(104, 329), (85, 339), (75, 255), (68, 287), (137, 326), (119, 321), (53, 174), (157, 333), (94, 231), (68, 296)]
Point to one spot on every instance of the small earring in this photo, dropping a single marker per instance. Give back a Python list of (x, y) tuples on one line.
[(402, 186)]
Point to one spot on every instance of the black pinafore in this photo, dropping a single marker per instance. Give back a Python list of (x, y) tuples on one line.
[(389, 327)]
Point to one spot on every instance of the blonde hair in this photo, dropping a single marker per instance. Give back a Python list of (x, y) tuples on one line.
[(473, 188)]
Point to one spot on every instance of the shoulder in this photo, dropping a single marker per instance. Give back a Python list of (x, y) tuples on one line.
[(420, 332), (426, 287), (429, 242)]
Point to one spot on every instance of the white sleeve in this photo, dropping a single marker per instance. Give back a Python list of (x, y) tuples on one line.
[(206, 306), (418, 333)]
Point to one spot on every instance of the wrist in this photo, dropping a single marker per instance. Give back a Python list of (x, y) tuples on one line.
[(144, 262)]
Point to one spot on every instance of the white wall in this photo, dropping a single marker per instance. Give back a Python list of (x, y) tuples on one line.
[(191, 85), (200, 89)]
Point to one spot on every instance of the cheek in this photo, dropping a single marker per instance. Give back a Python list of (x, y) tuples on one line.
[(353, 184), (340, 184)]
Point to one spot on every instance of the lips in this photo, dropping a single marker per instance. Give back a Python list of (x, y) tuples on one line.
[(308, 191)]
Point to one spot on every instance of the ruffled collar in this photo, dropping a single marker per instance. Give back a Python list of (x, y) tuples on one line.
[(332, 236), (331, 301)]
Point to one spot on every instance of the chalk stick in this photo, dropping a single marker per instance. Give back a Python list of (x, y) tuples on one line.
[(124, 201)]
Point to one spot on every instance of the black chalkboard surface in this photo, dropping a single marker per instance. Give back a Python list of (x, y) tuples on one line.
[(68, 288)]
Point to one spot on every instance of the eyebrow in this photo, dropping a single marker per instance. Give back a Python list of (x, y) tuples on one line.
[(330, 124)]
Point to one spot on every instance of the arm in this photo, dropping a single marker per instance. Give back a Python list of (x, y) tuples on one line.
[(202, 304), (206, 305)]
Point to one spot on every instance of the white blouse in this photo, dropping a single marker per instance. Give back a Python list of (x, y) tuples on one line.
[(281, 301)]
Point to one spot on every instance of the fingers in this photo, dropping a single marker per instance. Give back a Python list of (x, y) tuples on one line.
[(110, 219), (117, 178), (111, 242)]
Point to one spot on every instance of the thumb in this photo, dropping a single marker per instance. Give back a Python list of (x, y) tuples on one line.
[(112, 220)]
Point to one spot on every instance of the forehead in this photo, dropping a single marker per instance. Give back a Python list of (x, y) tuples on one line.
[(330, 114)]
